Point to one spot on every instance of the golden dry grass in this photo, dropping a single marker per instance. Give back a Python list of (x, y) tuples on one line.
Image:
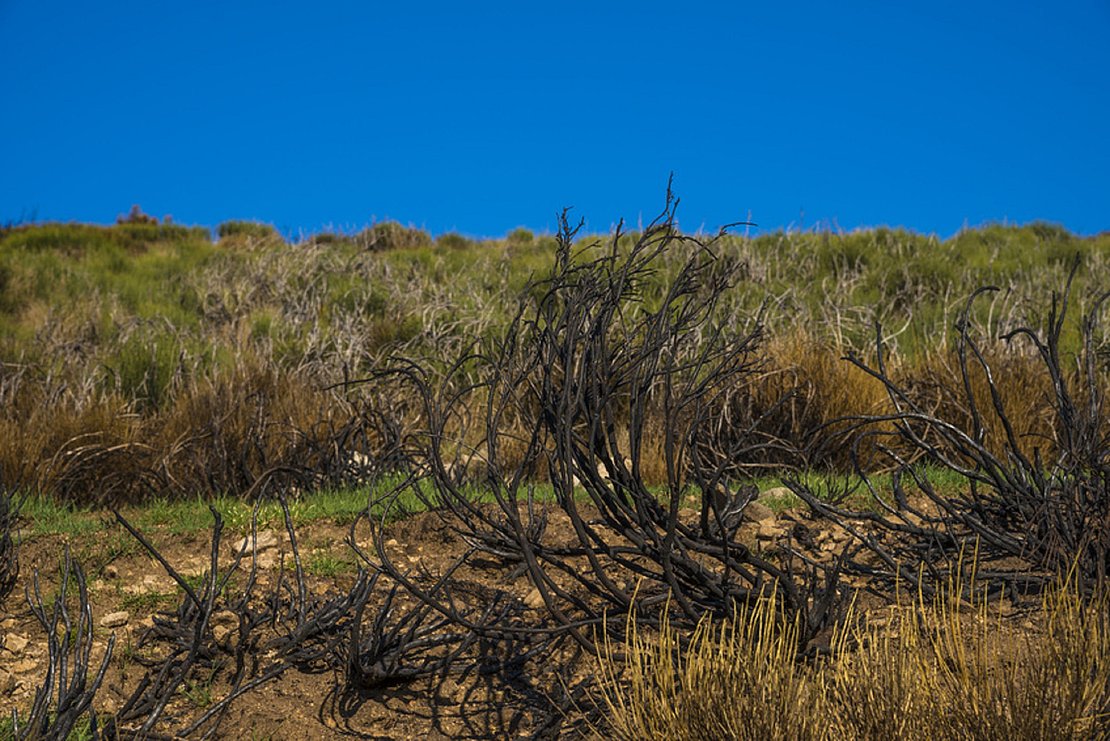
[(924, 669)]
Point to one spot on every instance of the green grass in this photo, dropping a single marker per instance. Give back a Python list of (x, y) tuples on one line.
[(179, 280), (328, 565), (82, 731), (342, 507), (50, 517), (145, 602), (825, 484), (45, 516)]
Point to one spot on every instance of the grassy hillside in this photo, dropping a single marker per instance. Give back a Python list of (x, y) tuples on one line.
[(466, 470), (178, 351)]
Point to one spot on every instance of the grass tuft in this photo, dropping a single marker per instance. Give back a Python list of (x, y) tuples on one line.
[(939, 669)]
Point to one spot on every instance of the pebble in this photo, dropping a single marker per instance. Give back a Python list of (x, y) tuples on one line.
[(534, 599), (267, 560), (15, 643), (266, 540), (767, 531), (224, 618), (22, 667), (115, 619), (758, 512), (157, 582)]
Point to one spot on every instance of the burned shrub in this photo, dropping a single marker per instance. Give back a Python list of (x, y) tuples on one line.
[(1029, 517), (65, 695), (598, 376), (9, 553)]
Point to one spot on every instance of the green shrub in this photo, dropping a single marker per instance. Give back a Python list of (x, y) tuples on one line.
[(72, 239), (328, 238), (453, 241), (249, 230), (520, 236), (145, 367), (389, 235), (136, 216)]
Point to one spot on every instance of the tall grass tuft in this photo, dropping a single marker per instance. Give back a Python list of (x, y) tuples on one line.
[(937, 669), (727, 680)]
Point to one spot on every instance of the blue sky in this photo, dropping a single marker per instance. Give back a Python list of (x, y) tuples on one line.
[(481, 117)]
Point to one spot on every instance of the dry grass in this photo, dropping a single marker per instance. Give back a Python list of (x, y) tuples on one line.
[(114, 339), (217, 435), (803, 386), (732, 680), (937, 670), (1024, 390)]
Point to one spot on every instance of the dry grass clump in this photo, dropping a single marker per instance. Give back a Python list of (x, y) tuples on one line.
[(728, 680), (220, 434), (936, 669), (1023, 389), (801, 387), (805, 386)]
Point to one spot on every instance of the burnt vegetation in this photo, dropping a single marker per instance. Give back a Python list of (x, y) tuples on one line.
[(1034, 510), (625, 397)]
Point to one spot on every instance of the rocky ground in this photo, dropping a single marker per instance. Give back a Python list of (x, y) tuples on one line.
[(128, 588)]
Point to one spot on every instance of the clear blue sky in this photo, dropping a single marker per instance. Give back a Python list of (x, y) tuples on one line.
[(481, 117)]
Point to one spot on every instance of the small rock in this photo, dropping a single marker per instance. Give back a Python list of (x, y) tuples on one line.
[(534, 599), (266, 539), (157, 582), (449, 687), (15, 643), (758, 512), (25, 666), (194, 569), (115, 619), (267, 560), (221, 632), (224, 617), (777, 492), (111, 572), (767, 531), (746, 534), (391, 543)]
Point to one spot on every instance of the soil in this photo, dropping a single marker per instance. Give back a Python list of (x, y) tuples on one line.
[(514, 700)]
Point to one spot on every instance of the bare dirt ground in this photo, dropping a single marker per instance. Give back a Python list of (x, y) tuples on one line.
[(487, 702), (490, 700)]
